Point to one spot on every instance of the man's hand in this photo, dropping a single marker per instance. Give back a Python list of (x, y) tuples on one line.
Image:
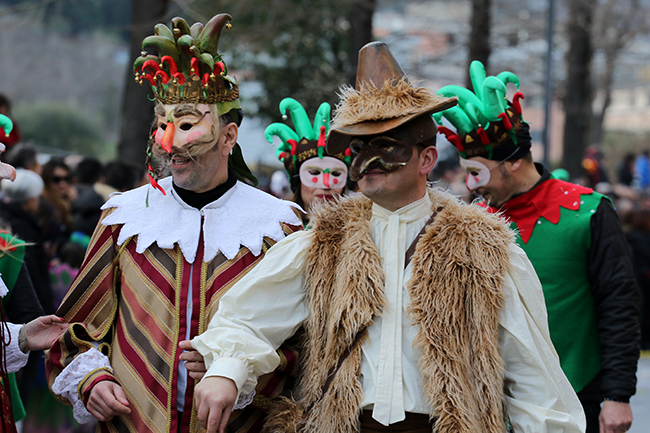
[(615, 417), (193, 360), (215, 397), (42, 332), (107, 400)]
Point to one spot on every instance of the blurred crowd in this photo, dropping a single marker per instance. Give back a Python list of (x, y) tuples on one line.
[(54, 205)]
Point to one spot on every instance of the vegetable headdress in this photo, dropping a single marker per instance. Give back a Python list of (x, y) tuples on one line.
[(188, 66), (305, 141), (486, 123)]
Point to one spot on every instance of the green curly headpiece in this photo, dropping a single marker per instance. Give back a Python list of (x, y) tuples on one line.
[(306, 141), (484, 119)]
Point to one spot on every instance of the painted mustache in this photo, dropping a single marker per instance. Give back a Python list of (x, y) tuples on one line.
[(358, 169)]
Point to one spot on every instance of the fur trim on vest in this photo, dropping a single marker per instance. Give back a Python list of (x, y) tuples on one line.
[(455, 300)]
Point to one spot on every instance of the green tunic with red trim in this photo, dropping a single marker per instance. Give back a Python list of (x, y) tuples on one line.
[(553, 222)]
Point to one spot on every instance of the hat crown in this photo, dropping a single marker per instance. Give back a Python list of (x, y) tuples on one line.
[(377, 65)]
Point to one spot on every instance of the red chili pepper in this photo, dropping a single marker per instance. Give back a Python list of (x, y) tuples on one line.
[(293, 144), (452, 137), (167, 140), (326, 177), (180, 77), (150, 64), (163, 74), (506, 121), (484, 138), (515, 102), (173, 69)]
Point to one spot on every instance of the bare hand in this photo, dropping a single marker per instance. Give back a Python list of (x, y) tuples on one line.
[(107, 400), (215, 397), (615, 417), (42, 332), (193, 360)]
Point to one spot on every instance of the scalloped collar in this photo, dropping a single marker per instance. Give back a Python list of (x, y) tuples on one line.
[(242, 216)]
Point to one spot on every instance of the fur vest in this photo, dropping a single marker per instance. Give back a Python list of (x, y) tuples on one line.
[(455, 300)]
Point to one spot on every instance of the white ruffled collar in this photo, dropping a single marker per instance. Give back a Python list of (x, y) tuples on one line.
[(242, 216)]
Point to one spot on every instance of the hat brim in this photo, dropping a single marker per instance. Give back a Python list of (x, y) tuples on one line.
[(339, 138)]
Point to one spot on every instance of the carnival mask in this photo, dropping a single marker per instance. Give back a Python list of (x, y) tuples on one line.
[(478, 174), (384, 152), (185, 128), (324, 173)]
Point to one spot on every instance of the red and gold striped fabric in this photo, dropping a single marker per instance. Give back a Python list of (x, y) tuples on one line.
[(134, 306)]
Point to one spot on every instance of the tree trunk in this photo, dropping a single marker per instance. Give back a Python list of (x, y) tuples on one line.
[(578, 93), (606, 89), (360, 31), (479, 38), (137, 109)]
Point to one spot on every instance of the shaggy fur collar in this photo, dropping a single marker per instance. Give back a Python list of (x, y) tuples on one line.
[(455, 300)]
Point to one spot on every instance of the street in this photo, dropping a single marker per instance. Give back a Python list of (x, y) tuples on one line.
[(641, 401)]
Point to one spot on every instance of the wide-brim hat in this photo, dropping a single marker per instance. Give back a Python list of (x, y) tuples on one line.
[(383, 99)]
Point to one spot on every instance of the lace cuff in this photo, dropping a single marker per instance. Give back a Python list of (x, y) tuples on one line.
[(69, 381), (243, 401), (16, 359)]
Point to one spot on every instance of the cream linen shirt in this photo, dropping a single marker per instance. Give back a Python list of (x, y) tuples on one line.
[(268, 305)]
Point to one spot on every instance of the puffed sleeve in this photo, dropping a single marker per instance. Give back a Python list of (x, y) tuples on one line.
[(257, 315)]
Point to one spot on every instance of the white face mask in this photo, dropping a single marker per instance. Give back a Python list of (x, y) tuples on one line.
[(478, 174), (325, 173)]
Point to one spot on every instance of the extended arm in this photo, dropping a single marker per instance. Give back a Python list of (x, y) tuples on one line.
[(254, 318)]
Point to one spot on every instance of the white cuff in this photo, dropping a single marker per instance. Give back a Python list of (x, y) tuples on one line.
[(16, 359), (235, 370), (67, 382)]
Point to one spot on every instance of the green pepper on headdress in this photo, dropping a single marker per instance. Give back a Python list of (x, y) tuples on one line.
[(305, 141), (188, 66), (484, 119)]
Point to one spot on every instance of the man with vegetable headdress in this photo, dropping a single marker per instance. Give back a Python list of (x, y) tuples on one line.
[(420, 312), (163, 254), (572, 236)]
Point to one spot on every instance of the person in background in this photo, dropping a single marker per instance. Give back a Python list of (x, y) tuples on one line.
[(571, 235), (86, 208), (24, 156), (59, 192), (118, 177), (11, 138), (313, 173)]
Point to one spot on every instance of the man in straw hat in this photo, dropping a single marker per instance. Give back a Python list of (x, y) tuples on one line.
[(420, 312), (163, 254), (573, 238)]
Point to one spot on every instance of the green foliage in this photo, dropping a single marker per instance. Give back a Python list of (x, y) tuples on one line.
[(299, 48), (59, 126)]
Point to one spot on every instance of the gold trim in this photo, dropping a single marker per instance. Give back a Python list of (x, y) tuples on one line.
[(177, 301), (88, 377)]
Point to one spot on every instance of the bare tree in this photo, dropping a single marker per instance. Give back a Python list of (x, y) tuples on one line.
[(479, 38), (360, 19), (578, 94), (137, 110), (616, 23)]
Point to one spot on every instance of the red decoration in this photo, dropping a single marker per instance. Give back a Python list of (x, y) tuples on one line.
[(484, 138), (452, 137), (294, 145), (167, 140), (219, 67), (173, 69), (505, 120), (150, 64), (321, 137), (155, 184), (180, 77), (206, 77), (545, 201), (515, 102), (194, 66), (163, 75)]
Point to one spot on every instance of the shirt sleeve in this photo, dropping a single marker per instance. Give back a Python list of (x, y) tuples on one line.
[(16, 359), (539, 397), (257, 315)]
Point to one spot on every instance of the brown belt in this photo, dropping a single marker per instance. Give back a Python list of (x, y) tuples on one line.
[(414, 423)]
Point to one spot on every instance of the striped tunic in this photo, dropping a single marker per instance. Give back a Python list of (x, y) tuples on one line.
[(131, 307)]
